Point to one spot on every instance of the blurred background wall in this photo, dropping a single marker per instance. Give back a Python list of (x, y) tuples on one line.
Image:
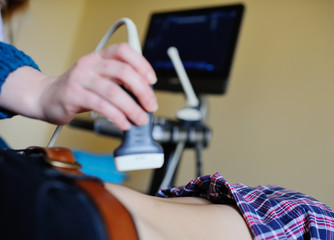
[(274, 125)]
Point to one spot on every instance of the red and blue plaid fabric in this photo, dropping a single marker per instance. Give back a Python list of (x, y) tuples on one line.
[(271, 212)]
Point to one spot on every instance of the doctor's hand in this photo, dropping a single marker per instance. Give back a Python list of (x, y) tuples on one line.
[(96, 82)]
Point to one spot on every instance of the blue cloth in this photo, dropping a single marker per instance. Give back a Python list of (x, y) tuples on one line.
[(3, 144), (271, 212), (99, 165), (11, 59)]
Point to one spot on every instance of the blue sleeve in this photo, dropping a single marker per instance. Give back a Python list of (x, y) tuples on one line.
[(11, 59)]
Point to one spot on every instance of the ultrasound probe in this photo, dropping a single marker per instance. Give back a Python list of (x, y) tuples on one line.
[(138, 150)]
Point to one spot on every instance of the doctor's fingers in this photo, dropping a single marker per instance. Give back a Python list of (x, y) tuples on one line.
[(125, 53), (125, 75), (113, 102)]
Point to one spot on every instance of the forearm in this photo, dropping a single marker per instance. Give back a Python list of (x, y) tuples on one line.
[(11, 59), (21, 92)]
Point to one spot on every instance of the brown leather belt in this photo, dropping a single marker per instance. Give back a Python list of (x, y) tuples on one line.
[(117, 219)]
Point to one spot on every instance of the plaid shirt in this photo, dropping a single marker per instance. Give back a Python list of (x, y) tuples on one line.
[(271, 212)]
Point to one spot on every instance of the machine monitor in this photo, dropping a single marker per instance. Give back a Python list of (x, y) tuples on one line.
[(206, 40)]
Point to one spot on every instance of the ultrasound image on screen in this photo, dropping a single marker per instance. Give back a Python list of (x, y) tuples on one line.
[(205, 39)]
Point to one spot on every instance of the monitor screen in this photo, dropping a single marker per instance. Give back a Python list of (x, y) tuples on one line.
[(206, 40)]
